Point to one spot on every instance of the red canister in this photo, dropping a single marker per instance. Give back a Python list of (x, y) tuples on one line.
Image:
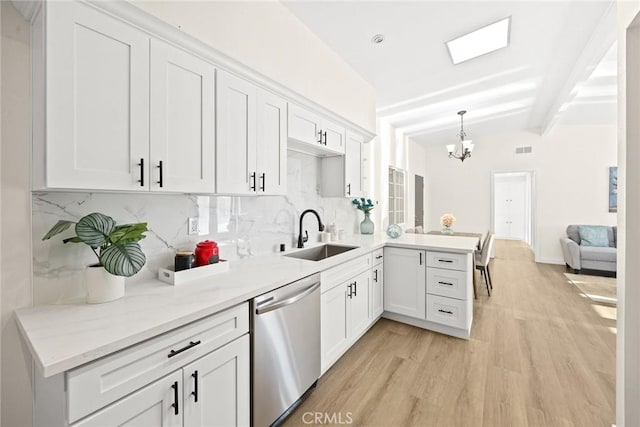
[(206, 253)]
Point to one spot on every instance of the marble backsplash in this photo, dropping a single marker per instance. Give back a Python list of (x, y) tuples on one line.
[(242, 226)]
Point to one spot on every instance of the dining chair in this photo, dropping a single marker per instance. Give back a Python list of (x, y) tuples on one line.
[(482, 259)]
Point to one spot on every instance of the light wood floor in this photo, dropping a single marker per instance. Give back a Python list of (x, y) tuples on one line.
[(540, 354)]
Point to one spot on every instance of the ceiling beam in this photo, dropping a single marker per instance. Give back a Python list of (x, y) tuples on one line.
[(599, 43)]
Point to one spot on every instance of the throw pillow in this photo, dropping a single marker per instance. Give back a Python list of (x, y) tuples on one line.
[(593, 235)]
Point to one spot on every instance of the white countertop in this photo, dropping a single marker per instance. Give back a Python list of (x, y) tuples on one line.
[(65, 336)]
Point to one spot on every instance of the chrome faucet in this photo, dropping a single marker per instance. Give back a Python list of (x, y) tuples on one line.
[(301, 239)]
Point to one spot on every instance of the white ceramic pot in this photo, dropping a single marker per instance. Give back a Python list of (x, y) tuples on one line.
[(101, 285)]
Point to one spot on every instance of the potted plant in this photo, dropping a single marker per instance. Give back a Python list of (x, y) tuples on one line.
[(116, 247), (366, 206)]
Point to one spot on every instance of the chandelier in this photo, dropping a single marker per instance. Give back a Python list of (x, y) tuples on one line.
[(466, 145)]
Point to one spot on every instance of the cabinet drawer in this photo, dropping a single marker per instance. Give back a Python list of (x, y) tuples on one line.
[(447, 260), (448, 311), (447, 283), (343, 272), (99, 383), (378, 256)]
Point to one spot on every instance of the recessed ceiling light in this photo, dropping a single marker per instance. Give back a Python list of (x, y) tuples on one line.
[(484, 40), (377, 39)]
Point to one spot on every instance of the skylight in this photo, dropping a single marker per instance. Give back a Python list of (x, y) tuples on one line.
[(484, 40)]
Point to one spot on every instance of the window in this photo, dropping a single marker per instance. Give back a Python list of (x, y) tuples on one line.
[(396, 196)]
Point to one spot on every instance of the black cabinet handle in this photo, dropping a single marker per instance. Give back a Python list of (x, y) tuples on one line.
[(355, 289), (446, 283), (378, 256), (195, 386), (176, 408), (185, 348), (348, 189), (445, 311), (420, 258), (262, 178), (375, 275), (325, 137), (253, 182), (141, 180), (350, 290), (445, 260), (160, 167), (320, 136)]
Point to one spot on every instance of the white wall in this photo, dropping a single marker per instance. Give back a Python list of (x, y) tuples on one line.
[(571, 165), (15, 247), (391, 148), (628, 332), (267, 37)]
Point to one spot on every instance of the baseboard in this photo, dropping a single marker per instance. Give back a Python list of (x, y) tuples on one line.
[(545, 260)]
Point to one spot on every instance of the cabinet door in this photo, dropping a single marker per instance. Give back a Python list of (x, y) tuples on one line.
[(182, 121), (236, 135), (405, 282), (359, 306), (334, 325), (304, 126), (97, 100), (217, 388), (153, 405), (353, 166), (377, 291), (272, 144), (333, 136)]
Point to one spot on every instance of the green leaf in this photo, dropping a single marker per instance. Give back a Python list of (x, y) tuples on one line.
[(128, 233), (60, 226), (123, 260), (74, 239), (94, 229)]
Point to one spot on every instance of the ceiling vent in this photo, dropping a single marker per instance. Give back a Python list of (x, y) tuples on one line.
[(523, 150)]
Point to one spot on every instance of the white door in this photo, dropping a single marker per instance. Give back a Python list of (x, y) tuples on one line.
[(97, 100), (217, 387), (377, 291), (405, 282), (353, 166), (510, 206), (304, 126), (182, 121), (153, 405), (236, 135), (359, 307), (271, 144), (333, 136), (334, 324)]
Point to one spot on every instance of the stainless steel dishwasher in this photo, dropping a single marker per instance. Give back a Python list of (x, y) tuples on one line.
[(286, 349)]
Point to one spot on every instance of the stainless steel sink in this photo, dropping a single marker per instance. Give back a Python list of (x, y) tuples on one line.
[(319, 253)]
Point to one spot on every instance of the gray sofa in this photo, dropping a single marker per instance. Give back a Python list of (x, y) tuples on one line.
[(580, 257)]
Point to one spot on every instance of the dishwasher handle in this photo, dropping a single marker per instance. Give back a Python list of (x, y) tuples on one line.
[(295, 298)]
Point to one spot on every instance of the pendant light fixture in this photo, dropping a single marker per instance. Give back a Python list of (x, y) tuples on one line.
[(466, 145)]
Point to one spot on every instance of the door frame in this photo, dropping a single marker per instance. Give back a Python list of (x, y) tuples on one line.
[(415, 193), (533, 174)]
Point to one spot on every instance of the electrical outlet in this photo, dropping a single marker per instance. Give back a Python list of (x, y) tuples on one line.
[(193, 226)]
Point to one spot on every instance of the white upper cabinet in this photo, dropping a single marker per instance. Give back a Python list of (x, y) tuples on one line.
[(97, 100), (251, 138), (272, 143), (236, 135), (123, 111), (308, 132), (182, 121), (342, 176)]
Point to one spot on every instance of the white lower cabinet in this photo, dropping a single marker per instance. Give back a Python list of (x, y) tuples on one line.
[(153, 405), (345, 308), (195, 375), (405, 282), (216, 387), (377, 290)]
